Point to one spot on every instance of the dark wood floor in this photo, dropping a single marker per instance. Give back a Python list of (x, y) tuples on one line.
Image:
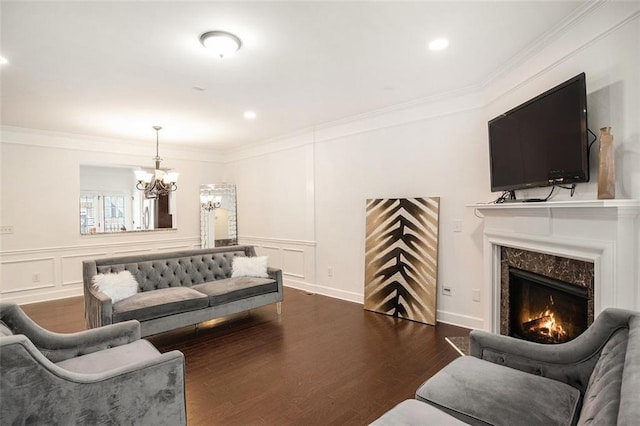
[(322, 362)]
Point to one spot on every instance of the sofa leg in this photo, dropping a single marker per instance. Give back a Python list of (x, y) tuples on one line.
[(279, 307)]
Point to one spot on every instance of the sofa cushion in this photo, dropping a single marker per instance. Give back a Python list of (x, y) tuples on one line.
[(602, 397), (413, 412), (477, 391), (109, 359), (232, 289), (159, 303)]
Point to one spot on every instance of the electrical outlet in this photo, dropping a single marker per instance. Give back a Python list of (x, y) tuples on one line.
[(475, 295), (457, 226), (330, 271), (35, 277), (446, 291), (6, 229)]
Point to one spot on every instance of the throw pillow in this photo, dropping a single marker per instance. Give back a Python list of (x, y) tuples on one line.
[(117, 286), (243, 266)]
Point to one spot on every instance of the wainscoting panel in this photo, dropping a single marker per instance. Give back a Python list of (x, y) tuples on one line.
[(295, 258), (71, 266), (293, 262), (36, 275), (28, 273)]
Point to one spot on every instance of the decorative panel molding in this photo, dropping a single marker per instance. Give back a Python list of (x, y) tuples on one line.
[(296, 259), (293, 262), (27, 274), (58, 270), (71, 266)]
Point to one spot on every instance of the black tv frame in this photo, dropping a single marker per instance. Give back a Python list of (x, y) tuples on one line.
[(584, 176)]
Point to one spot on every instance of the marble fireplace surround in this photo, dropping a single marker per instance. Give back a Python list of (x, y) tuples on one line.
[(572, 271), (605, 233)]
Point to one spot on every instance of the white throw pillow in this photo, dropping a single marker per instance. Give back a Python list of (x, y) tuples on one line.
[(243, 266), (117, 286)]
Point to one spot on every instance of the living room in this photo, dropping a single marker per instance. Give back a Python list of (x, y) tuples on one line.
[(301, 193)]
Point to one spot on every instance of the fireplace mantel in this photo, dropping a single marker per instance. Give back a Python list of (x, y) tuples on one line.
[(604, 232)]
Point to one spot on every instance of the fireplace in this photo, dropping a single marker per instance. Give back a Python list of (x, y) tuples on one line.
[(544, 298), (545, 310)]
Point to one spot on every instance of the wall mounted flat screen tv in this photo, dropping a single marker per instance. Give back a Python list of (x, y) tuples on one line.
[(542, 142)]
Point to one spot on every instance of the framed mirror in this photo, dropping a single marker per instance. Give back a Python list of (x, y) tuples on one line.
[(110, 202), (218, 219)]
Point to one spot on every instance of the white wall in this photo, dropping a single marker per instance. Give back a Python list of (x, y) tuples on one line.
[(39, 197), (436, 149)]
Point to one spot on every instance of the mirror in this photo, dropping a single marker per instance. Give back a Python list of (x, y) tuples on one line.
[(218, 222), (110, 202)]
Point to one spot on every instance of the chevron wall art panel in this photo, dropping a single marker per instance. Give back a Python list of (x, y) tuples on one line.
[(401, 257)]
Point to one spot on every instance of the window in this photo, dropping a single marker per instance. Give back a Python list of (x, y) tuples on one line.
[(102, 213)]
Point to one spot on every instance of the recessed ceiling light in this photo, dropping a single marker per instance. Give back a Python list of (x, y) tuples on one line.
[(438, 44), (3, 60), (221, 43), (249, 115)]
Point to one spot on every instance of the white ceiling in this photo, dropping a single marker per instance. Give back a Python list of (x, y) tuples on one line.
[(114, 69)]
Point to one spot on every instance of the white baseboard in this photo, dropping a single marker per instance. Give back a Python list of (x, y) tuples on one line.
[(459, 320), (42, 296), (325, 291)]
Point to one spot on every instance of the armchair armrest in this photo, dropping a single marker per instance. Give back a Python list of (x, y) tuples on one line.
[(60, 346), (146, 392), (570, 362)]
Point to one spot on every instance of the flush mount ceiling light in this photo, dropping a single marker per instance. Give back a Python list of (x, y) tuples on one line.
[(249, 115), (438, 44), (3, 60), (221, 43)]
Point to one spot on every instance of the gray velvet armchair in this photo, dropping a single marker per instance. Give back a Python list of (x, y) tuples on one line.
[(106, 375)]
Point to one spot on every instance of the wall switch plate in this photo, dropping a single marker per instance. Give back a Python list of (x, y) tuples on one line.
[(6, 229), (457, 226), (475, 295), (446, 291), (35, 278), (330, 271)]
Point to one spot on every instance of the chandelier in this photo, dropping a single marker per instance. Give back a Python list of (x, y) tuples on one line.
[(209, 202), (160, 182)]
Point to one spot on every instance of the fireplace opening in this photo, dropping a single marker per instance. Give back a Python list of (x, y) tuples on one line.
[(545, 310)]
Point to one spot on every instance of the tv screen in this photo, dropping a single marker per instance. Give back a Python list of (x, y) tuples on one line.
[(543, 141)]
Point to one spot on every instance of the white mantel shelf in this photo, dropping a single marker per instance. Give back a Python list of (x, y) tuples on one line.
[(633, 204), (604, 232)]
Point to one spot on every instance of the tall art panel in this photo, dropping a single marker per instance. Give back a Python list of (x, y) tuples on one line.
[(401, 257)]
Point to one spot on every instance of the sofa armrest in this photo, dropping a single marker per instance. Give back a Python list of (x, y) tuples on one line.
[(570, 362), (98, 307), (276, 275)]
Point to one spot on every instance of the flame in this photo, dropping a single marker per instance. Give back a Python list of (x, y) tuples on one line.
[(546, 324), (548, 327)]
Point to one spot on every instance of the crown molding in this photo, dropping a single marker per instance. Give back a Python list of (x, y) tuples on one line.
[(595, 19), (61, 140)]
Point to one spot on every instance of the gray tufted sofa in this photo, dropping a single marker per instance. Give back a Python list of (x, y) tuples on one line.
[(178, 289), (591, 380)]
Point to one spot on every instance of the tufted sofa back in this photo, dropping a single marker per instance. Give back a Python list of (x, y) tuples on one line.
[(611, 396), (176, 269)]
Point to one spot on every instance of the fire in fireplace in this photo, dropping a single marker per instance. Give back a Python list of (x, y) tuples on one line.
[(545, 310)]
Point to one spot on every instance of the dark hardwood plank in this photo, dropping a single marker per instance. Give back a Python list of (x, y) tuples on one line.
[(323, 361)]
